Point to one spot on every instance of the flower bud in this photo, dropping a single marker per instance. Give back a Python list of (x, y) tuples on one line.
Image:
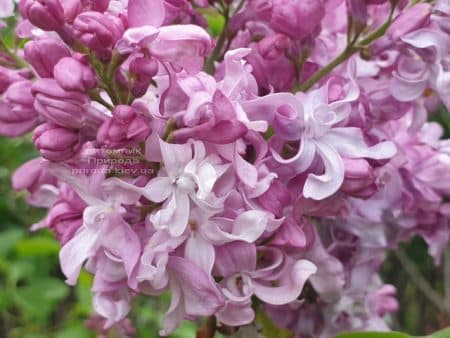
[(71, 74), (296, 19), (7, 77), (47, 15), (44, 54), (98, 31), (410, 20), (65, 108), (383, 300), (184, 46), (358, 12), (143, 70), (72, 8), (56, 143), (359, 179), (64, 221), (124, 127), (31, 176), (144, 67), (273, 46), (17, 114), (270, 66)]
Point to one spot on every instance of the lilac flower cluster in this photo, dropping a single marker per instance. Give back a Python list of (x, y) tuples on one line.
[(269, 167)]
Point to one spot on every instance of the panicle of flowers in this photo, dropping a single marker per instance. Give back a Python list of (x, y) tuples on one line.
[(267, 166)]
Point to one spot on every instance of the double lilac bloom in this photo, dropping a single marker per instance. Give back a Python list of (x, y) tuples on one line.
[(235, 170)]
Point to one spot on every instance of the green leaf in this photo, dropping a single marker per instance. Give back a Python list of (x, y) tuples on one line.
[(373, 335), (8, 239), (37, 246), (187, 329), (441, 334), (269, 328), (74, 331), (216, 22), (20, 270), (38, 299)]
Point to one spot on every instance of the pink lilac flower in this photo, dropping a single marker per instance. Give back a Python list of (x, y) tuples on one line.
[(274, 163)]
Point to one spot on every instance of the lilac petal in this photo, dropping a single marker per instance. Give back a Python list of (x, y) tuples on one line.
[(223, 132), (236, 314), (443, 85), (234, 258), (146, 12), (112, 306), (419, 117), (215, 234), (158, 189), (303, 159), (250, 225), (238, 80), (200, 252), (25, 176), (247, 227), (124, 243), (410, 20), (272, 261), (174, 215), (267, 107), (136, 37), (205, 177), (181, 215), (289, 288), (44, 197), (246, 172), (152, 148), (223, 108), (81, 184), (428, 38), (6, 8), (183, 46), (319, 187), (115, 189), (196, 101), (287, 123), (330, 277), (176, 312), (155, 257), (443, 6), (175, 157), (353, 91), (407, 90), (200, 293), (349, 142), (77, 251), (290, 234)]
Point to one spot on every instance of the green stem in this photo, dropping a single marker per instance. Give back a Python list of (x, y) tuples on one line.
[(217, 51), (421, 283), (107, 76), (170, 127), (95, 96), (351, 49), (19, 63), (317, 76)]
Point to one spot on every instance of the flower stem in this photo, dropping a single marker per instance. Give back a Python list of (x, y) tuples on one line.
[(217, 51), (421, 283), (351, 49), (18, 62)]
